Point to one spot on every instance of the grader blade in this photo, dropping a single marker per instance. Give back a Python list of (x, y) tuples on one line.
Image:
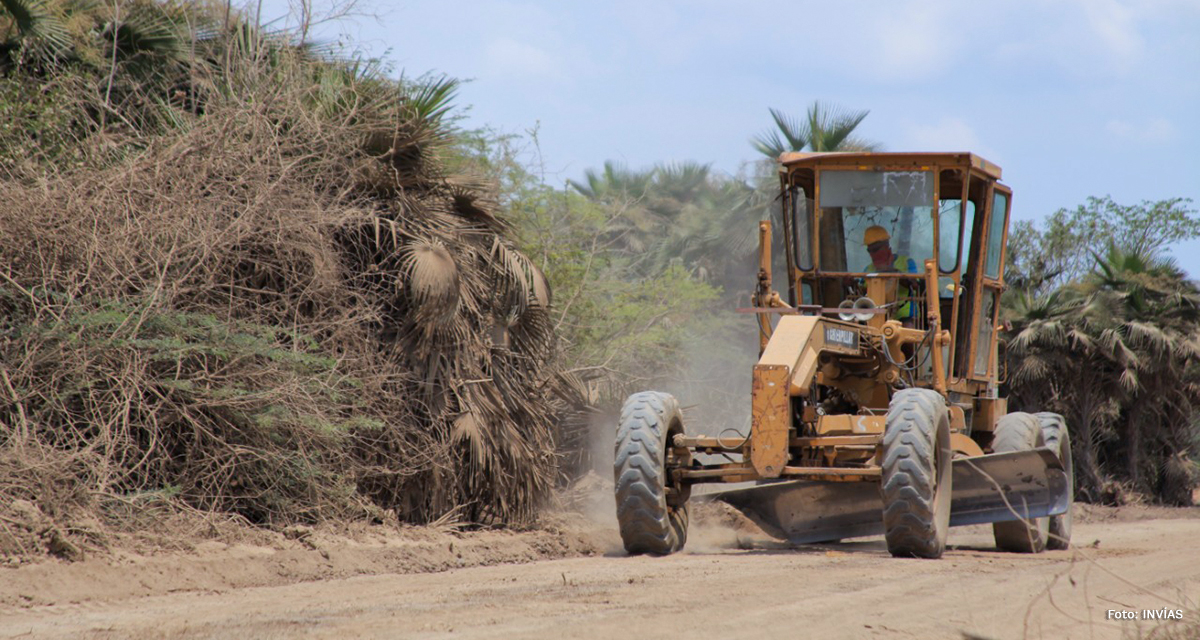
[(803, 511), (990, 488), (1008, 486)]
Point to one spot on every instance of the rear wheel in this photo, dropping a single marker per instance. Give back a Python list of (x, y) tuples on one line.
[(652, 511), (1054, 432), (1020, 432), (916, 474)]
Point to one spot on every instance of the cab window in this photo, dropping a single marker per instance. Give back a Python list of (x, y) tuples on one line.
[(801, 216), (866, 207), (951, 232), (996, 235)]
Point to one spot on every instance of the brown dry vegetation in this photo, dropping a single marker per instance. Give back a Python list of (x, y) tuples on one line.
[(265, 296)]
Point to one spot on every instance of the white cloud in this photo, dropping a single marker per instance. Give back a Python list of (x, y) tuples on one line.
[(912, 40), (1153, 131), (1115, 29), (947, 134), (510, 59), (1086, 38)]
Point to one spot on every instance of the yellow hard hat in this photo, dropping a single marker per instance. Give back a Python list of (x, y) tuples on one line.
[(875, 233)]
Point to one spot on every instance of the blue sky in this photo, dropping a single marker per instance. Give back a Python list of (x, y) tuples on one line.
[(1071, 97)]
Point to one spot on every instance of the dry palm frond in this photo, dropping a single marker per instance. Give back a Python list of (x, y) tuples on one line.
[(540, 286), (511, 280), (1080, 341), (1044, 334), (1149, 336), (469, 429), (278, 310), (1188, 347), (472, 200), (432, 279), (1032, 370), (1129, 380)]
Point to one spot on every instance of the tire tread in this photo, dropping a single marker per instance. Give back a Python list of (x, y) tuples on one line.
[(912, 518), (646, 522)]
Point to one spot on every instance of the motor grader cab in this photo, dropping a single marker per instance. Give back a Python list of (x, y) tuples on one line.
[(874, 404)]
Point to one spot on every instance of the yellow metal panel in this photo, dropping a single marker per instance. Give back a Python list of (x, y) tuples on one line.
[(958, 419), (805, 373), (770, 406), (788, 340), (961, 443), (850, 425), (988, 412)]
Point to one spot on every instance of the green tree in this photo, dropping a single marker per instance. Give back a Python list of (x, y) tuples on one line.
[(1062, 248), (826, 128)]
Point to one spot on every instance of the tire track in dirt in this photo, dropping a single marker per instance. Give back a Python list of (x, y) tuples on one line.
[(726, 584)]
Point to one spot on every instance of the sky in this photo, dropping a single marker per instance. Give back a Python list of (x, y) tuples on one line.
[(1072, 98)]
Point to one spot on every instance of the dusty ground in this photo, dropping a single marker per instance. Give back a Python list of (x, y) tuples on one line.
[(731, 582)]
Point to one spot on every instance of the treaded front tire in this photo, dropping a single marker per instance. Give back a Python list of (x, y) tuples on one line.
[(1054, 432), (1019, 431), (652, 514), (916, 474)]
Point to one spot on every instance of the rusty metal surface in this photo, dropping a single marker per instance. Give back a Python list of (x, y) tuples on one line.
[(850, 424), (992, 488), (770, 419), (960, 443), (825, 441), (804, 511), (891, 160), (988, 412)]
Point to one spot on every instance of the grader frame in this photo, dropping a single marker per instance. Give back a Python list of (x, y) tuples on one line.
[(863, 423)]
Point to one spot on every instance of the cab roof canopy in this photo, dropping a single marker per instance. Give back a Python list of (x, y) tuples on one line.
[(889, 160)]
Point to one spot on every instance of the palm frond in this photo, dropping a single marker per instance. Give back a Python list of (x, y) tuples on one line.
[(42, 27), (789, 134), (432, 279), (149, 31), (769, 144), (830, 126), (432, 99), (1148, 335)]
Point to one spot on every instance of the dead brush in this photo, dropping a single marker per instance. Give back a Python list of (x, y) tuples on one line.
[(280, 307)]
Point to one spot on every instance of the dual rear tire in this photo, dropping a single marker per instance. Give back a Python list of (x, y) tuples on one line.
[(917, 472), (1022, 432), (1054, 432)]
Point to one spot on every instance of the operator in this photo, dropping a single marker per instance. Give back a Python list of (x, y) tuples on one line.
[(879, 246)]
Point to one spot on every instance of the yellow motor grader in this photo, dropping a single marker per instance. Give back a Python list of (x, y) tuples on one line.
[(874, 404)]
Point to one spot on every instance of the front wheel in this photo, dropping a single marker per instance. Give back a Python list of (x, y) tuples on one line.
[(652, 511), (916, 474)]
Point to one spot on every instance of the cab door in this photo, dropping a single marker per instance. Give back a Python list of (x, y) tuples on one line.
[(987, 303)]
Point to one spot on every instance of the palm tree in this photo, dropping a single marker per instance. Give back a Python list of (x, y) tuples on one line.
[(615, 182), (712, 223), (1155, 311), (827, 128), (679, 213), (1117, 354)]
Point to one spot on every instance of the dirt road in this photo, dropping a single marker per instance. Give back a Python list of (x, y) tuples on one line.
[(726, 585)]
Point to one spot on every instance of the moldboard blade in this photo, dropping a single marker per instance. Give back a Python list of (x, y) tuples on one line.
[(803, 511), (1008, 486)]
